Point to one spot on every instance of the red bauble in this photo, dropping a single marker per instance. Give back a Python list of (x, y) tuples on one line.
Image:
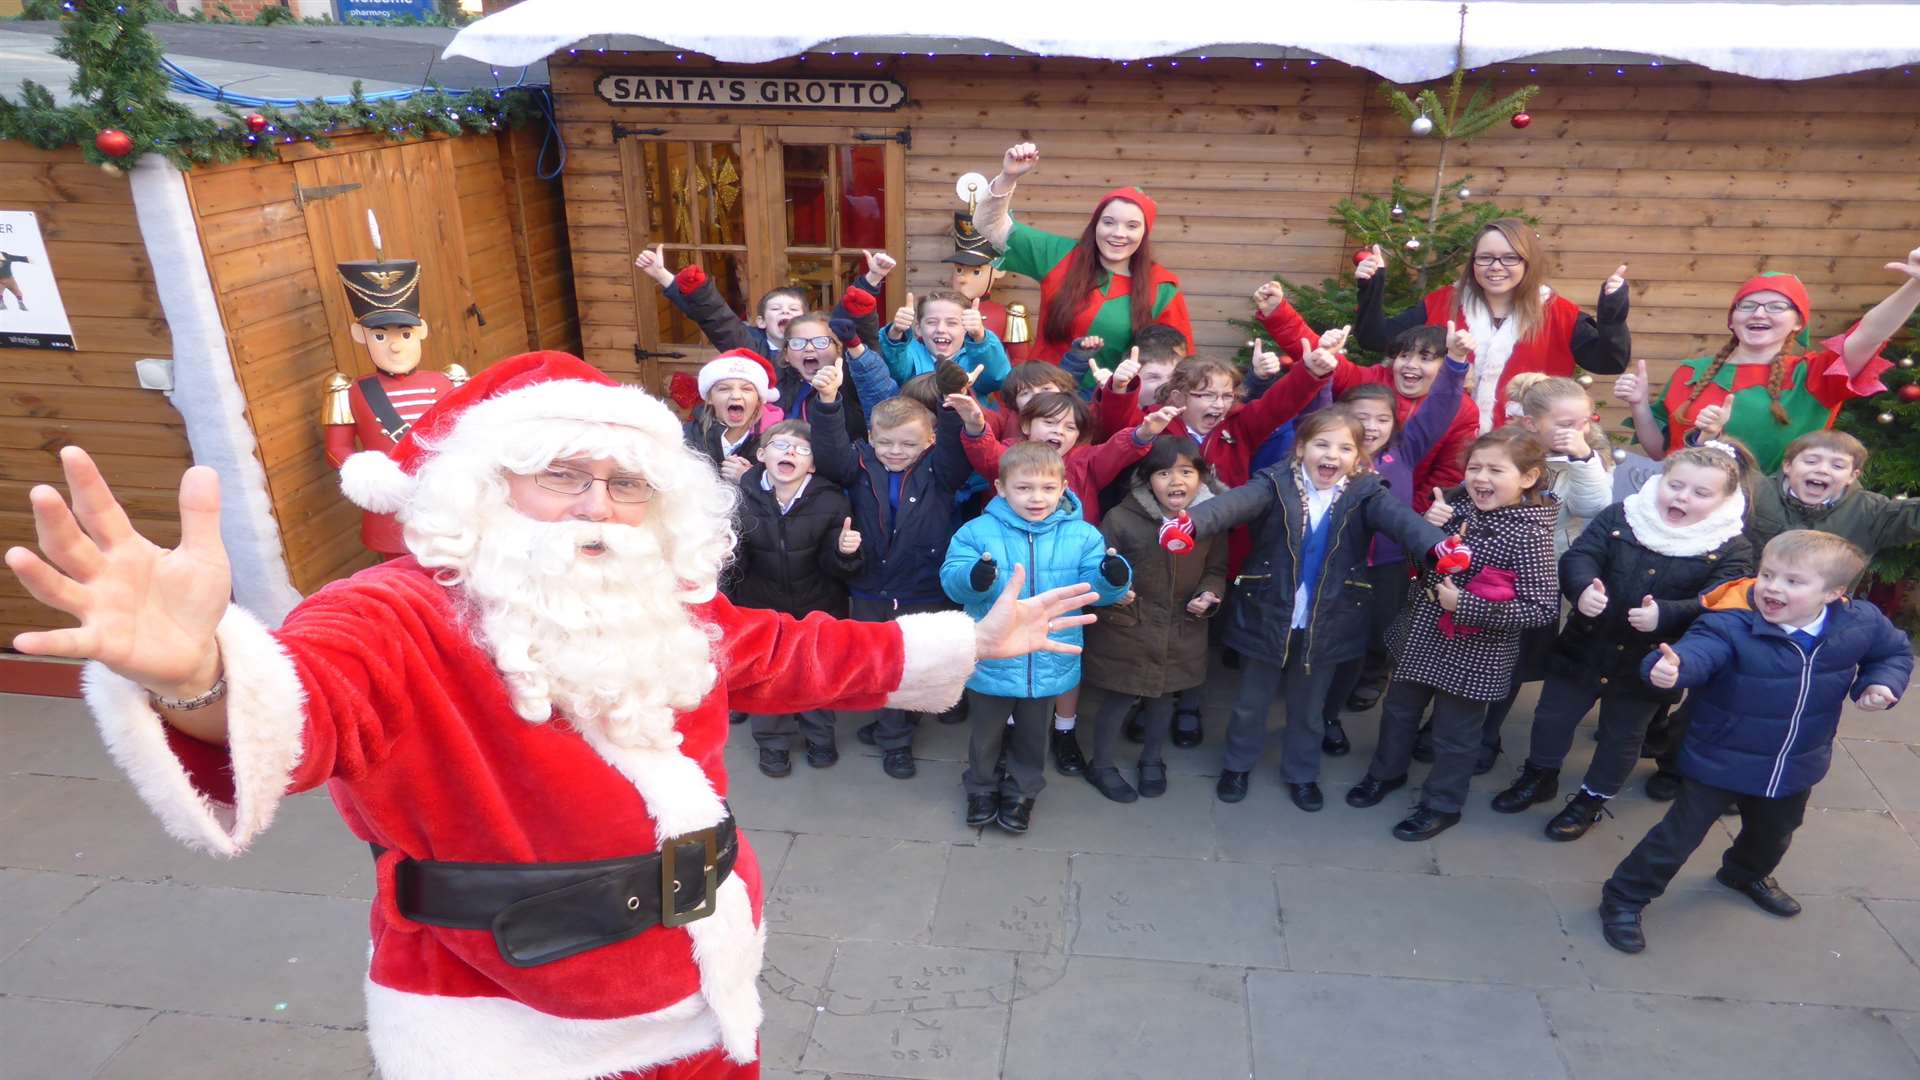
[(256, 123), (1362, 256), (1520, 120), (1910, 392), (113, 142)]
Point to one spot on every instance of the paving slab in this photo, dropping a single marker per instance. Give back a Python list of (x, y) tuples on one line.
[(100, 827), (30, 901), (1104, 1019), (1071, 815), (1900, 918), (226, 952), (1846, 785), (998, 897), (913, 1011), (793, 990), (1268, 828), (1491, 844), (1424, 926), (1908, 1025), (1171, 909), (853, 798), (849, 888), (1892, 725), (1850, 853), (1893, 768), (771, 849), (51, 736), (62, 1038), (175, 1047), (1717, 944), (1608, 1035), (1304, 1026)]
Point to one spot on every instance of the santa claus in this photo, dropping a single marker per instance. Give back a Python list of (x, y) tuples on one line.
[(524, 719)]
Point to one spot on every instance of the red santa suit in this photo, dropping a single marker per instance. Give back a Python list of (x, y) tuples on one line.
[(377, 687)]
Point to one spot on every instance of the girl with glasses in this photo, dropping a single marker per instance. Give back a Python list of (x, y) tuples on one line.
[(1769, 384), (1518, 322)]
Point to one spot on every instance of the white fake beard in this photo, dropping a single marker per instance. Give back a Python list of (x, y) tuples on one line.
[(605, 639)]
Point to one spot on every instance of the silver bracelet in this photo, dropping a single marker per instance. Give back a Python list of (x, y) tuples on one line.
[(214, 693)]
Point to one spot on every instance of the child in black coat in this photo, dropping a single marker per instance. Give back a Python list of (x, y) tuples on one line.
[(1635, 576), (797, 549)]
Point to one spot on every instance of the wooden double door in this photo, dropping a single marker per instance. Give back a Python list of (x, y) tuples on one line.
[(758, 207)]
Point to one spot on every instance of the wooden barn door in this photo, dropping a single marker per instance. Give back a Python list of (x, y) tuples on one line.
[(757, 207), (411, 187)]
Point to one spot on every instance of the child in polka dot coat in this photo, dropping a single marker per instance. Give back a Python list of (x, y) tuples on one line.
[(1456, 645)]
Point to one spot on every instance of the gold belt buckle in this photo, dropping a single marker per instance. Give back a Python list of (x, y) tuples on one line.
[(670, 881)]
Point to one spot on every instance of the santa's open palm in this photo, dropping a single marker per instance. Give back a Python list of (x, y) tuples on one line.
[(145, 611), (1016, 627)]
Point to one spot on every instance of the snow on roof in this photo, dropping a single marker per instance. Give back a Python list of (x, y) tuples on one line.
[(1402, 40)]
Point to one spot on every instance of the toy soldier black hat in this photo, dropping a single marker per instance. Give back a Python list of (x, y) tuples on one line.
[(383, 292), (969, 247)]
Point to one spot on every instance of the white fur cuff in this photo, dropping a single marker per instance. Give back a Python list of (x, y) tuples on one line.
[(265, 720), (373, 481), (939, 659)]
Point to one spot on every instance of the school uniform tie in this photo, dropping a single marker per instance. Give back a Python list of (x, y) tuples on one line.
[(1804, 640)]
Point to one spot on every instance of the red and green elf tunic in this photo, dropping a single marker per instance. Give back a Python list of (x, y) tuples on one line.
[(1816, 384), (1106, 312)]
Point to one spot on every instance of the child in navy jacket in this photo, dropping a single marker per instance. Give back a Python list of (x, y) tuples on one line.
[(1769, 665)]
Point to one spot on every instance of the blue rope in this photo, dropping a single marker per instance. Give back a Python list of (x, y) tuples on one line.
[(182, 81)]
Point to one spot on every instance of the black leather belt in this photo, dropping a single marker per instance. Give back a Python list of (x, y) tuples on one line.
[(542, 912)]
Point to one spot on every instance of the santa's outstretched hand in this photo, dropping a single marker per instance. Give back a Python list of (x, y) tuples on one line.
[(146, 612), (1016, 627)]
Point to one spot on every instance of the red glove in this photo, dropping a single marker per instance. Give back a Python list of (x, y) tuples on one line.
[(1176, 534), (683, 388), (1452, 555), (858, 302), (690, 278)]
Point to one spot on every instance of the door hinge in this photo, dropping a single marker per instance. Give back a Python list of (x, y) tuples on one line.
[(622, 131), (641, 352), (904, 137), (304, 195)]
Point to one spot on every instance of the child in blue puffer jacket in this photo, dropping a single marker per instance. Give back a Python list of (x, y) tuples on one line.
[(1769, 665), (1034, 522)]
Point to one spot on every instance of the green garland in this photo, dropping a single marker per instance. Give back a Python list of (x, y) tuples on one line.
[(119, 84)]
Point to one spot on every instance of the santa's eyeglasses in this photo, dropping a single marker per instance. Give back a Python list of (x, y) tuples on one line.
[(621, 488)]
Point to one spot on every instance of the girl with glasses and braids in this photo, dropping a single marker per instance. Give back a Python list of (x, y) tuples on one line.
[(1769, 384)]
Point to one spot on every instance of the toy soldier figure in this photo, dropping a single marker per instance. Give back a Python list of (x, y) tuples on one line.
[(975, 269), (377, 410)]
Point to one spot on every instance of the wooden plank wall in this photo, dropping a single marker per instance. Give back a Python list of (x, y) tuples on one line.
[(88, 397), (1695, 179), (539, 216)]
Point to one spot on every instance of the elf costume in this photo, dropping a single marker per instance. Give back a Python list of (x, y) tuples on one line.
[(1106, 312), (1813, 386), (549, 902)]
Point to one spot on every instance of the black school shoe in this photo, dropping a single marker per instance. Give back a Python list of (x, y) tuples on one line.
[(1765, 893), (1335, 742), (898, 764), (1187, 732), (1307, 796), (821, 757), (1107, 780), (1370, 790), (1424, 823), (1067, 757), (1231, 787), (1153, 779), (1532, 787), (1622, 929), (775, 763), (1663, 786), (1016, 815), (1582, 811), (981, 810)]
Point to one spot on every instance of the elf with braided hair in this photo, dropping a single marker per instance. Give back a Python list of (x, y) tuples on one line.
[(1769, 384)]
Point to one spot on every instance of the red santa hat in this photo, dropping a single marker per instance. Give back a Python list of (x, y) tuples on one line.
[(740, 364), (1786, 285), (1148, 208), (534, 387)]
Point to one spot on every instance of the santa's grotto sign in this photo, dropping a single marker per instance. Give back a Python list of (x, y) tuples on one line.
[(680, 89)]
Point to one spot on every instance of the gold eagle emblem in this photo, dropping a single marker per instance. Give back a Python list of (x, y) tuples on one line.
[(384, 279)]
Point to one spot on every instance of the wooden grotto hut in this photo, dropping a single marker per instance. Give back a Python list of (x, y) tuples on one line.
[(775, 143), (206, 318)]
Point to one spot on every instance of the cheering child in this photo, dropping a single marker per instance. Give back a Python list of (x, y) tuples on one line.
[(1152, 645), (1456, 644), (1032, 537), (1675, 539)]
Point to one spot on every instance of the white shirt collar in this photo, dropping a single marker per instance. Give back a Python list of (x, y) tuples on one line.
[(766, 484), (1812, 628)]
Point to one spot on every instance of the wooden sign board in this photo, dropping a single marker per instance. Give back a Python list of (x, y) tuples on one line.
[(681, 89)]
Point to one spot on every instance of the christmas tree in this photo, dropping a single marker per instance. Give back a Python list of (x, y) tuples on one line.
[(1889, 425)]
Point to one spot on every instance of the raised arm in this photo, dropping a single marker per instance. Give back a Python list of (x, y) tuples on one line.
[(1372, 328), (694, 296), (1241, 506), (1886, 318), (1600, 342), (992, 214)]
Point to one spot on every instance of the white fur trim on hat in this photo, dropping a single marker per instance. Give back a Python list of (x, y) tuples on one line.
[(576, 400), (373, 481), (737, 367)]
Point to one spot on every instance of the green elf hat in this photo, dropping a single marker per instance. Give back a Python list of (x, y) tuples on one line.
[(1788, 286)]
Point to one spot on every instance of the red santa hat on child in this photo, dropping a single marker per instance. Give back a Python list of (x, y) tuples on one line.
[(534, 387), (740, 364)]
